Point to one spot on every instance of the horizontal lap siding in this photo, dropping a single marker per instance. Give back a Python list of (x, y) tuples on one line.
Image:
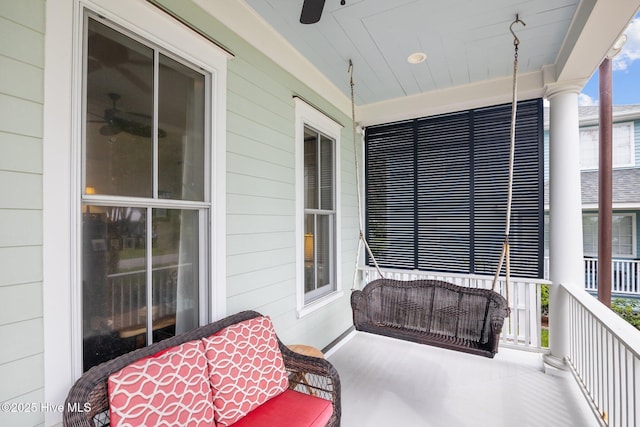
[(261, 240), (21, 126), (261, 188)]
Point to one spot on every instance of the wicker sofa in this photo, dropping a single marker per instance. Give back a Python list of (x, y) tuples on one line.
[(432, 312), (307, 381)]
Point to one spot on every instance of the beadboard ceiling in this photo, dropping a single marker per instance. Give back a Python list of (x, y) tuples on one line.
[(467, 42)]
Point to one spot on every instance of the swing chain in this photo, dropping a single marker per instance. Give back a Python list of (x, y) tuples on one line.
[(516, 40)]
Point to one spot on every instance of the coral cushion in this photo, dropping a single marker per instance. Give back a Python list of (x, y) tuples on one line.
[(168, 389), (246, 368), (291, 409)]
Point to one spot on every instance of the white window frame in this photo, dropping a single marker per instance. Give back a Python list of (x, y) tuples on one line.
[(595, 129), (153, 202), (634, 242), (63, 175), (307, 115)]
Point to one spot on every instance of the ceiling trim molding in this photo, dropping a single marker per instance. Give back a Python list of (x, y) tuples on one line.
[(459, 98), (596, 27), (246, 23)]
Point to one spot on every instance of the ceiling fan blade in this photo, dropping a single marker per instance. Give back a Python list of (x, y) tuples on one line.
[(311, 11)]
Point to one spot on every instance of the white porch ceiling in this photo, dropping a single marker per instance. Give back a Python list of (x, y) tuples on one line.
[(465, 41), (468, 45)]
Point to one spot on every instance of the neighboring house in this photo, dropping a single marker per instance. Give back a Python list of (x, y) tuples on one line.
[(162, 170), (626, 192)]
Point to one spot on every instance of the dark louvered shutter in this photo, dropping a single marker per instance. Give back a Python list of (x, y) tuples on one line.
[(436, 191), (390, 180), (443, 193)]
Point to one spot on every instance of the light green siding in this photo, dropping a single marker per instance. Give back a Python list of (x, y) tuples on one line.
[(261, 199), (22, 27)]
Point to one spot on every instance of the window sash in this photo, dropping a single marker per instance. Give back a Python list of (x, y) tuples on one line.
[(319, 214), (623, 146), (171, 217), (623, 236)]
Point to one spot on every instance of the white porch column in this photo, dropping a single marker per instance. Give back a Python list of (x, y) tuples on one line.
[(565, 215)]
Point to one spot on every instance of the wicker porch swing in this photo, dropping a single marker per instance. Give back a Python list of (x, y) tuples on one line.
[(436, 312)]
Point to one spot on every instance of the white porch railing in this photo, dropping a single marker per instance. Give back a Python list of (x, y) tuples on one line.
[(521, 329), (127, 293), (604, 356), (625, 276)]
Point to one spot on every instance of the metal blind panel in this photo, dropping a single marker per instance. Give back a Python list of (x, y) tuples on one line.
[(444, 185), (491, 128), (437, 191), (390, 206)]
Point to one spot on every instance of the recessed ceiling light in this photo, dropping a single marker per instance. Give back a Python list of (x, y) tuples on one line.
[(416, 58)]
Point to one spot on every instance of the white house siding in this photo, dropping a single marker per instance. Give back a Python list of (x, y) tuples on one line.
[(22, 26)]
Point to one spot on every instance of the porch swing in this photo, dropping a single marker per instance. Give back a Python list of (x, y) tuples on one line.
[(436, 312)]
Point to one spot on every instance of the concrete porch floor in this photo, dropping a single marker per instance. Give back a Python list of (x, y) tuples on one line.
[(389, 382)]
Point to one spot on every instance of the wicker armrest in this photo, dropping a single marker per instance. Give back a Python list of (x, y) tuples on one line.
[(315, 376), (359, 307)]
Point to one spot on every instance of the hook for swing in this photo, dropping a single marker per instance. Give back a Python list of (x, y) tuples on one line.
[(516, 40)]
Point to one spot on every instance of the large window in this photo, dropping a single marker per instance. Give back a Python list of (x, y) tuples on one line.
[(436, 191), (144, 198), (623, 148), (623, 235), (317, 141)]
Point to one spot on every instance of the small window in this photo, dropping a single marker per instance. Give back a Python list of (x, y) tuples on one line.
[(317, 139), (623, 146), (623, 241)]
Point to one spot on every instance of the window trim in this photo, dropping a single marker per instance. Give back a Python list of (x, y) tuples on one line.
[(634, 240), (307, 115), (628, 124), (61, 162)]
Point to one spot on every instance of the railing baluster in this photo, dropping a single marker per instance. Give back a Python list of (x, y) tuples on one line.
[(605, 357)]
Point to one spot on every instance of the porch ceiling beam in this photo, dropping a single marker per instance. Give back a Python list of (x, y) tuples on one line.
[(458, 98), (596, 27)]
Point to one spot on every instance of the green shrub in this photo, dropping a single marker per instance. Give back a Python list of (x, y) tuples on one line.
[(544, 299), (628, 309)]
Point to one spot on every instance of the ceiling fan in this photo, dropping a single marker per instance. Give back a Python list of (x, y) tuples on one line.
[(116, 121), (312, 11)]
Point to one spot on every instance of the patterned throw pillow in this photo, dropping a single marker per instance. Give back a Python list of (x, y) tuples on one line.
[(170, 388), (246, 368)]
